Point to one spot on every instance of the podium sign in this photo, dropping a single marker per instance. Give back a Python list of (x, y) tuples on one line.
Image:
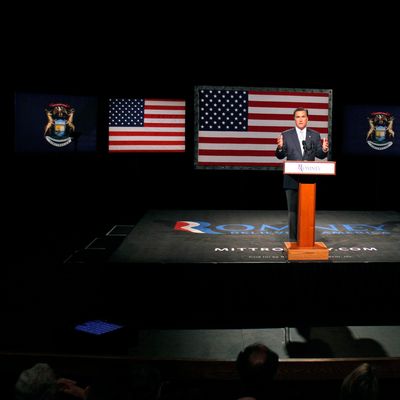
[(309, 168), (306, 248)]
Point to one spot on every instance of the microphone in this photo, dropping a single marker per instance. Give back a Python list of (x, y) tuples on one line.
[(312, 150), (308, 148), (305, 153)]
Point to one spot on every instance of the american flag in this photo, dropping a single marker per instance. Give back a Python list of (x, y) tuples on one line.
[(146, 125), (238, 128)]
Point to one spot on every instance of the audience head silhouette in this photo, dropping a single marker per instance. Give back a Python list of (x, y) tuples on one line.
[(36, 383), (360, 384), (257, 366)]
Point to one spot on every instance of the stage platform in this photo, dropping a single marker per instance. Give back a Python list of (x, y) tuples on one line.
[(256, 236), (226, 268), (221, 269)]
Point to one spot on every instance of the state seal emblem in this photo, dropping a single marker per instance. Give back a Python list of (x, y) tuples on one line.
[(60, 127), (381, 134)]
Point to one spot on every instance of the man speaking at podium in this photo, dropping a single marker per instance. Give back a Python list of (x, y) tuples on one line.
[(296, 144)]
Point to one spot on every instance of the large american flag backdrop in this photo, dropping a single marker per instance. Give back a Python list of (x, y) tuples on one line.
[(146, 125), (237, 128)]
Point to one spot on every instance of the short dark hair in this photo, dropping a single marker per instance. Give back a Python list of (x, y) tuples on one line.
[(257, 366), (300, 109), (360, 384)]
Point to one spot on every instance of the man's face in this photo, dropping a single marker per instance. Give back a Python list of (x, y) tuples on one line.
[(300, 119)]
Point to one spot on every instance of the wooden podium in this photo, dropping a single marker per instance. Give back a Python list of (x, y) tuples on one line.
[(306, 247)]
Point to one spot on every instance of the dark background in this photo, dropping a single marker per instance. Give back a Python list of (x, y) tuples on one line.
[(164, 51), (54, 204), (87, 189)]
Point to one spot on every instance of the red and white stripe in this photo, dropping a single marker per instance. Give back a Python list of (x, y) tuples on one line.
[(163, 130), (269, 114)]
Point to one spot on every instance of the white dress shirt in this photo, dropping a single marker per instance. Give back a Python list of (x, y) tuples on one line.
[(301, 134)]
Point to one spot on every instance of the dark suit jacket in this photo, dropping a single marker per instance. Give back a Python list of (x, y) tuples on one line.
[(292, 151)]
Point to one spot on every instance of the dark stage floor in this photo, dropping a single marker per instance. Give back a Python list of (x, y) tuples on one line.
[(226, 268), (221, 269), (256, 236)]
